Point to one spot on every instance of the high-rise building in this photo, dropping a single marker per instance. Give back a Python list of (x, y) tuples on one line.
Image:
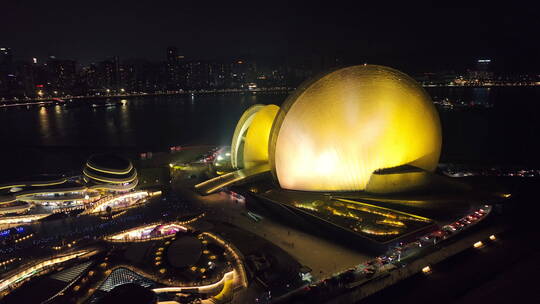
[(220, 75), (7, 73), (196, 75), (90, 77), (109, 74), (144, 76), (175, 73), (481, 72), (25, 72), (62, 74), (243, 72)]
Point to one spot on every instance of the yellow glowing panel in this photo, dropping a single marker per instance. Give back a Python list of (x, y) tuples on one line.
[(240, 131), (258, 136), (249, 145), (334, 131)]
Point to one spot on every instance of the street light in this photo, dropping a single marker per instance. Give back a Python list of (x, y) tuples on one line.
[(478, 244)]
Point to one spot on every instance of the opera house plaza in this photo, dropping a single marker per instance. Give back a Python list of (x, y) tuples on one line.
[(332, 195)]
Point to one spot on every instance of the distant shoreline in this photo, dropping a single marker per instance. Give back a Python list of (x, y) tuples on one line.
[(53, 100), (56, 100)]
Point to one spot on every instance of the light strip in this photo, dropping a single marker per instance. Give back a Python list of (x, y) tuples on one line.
[(118, 237), (224, 184), (383, 208), (30, 193), (32, 184), (242, 274), (111, 172), (113, 181), (180, 288), (29, 271), (217, 178), (7, 202), (142, 194), (131, 186)]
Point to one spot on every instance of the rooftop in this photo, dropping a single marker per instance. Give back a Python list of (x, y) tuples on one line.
[(109, 161)]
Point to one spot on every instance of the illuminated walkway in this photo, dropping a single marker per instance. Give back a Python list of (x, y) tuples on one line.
[(118, 202), (215, 184), (210, 288), (27, 272)]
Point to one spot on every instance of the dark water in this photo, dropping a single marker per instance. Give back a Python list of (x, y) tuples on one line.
[(505, 134), (37, 139), (142, 123)]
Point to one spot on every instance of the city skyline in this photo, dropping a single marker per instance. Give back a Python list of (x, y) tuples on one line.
[(176, 73)]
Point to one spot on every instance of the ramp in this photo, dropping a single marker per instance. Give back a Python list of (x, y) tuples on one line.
[(215, 184)]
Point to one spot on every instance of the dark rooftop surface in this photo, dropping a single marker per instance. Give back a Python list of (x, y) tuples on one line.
[(66, 185), (109, 161), (184, 251), (43, 178), (367, 220), (35, 291), (129, 293)]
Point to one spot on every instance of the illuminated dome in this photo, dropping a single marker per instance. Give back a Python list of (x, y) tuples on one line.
[(110, 172), (249, 146), (334, 131)]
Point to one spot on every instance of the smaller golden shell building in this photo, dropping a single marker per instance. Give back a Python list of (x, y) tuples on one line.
[(335, 131), (249, 146)]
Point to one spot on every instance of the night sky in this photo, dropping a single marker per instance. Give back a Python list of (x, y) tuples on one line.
[(414, 40)]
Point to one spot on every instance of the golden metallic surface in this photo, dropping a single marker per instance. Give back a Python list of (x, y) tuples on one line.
[(240, 133), (249, 145), (398, 182), (334, 131), (258, 137)]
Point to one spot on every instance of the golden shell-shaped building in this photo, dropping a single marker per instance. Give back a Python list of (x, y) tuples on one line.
[(336, 130), (361, 128), (249, 146)]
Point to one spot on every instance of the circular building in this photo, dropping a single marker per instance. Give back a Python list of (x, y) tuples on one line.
[(110, 173), (335, 131)]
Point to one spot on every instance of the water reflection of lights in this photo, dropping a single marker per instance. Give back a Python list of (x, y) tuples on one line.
[(44, 122)]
